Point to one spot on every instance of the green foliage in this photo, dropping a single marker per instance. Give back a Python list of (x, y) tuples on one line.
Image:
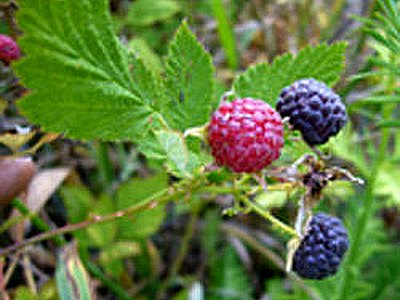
[(386, 275), (72, 279), (122, 237), (188, 81), (104, 205), (140, 48), (226, 32), (147, 12), (229, 280), (388, 185), (111, 256), (72, 44), (384, 27), (181, 162), (265, 81), (384, 30), (144, 223)]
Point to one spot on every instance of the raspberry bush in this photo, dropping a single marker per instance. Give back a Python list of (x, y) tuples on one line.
[(184, 173)]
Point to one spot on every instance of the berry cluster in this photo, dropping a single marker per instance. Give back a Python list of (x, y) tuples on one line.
[(322, 248), (246, 135)]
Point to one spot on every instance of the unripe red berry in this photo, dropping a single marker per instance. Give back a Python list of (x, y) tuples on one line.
[(9, 49), (245, 135)]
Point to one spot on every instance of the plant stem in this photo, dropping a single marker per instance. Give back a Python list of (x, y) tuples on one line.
[(35, 219), (265, 214), (164, 196)]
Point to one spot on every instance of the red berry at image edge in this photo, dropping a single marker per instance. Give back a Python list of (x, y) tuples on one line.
[(245, 135), (9, 49)]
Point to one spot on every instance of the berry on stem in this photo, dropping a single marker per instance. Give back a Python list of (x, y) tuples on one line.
[(322, 248), (245, 135), (9, 50), (313, 109)]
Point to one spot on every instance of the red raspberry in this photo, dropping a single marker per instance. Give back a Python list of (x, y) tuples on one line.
[(245, 135), (9, 49)]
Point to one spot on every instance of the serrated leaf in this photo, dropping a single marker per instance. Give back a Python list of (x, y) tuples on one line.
[(147, 12), (188, 80), (147, 85), (140, 48), (265, 81), (77, 71), (146, 222)]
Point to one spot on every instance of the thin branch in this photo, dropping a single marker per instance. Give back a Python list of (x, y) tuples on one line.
[(265, 214), (164, 196)]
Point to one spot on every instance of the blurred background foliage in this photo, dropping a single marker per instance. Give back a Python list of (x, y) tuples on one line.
[(189, 249)]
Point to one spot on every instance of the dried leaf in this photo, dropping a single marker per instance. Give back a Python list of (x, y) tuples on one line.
[(15, 141), (43, 185)]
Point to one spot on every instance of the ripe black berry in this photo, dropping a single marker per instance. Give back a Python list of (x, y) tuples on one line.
[(313, 109), (322, 248)]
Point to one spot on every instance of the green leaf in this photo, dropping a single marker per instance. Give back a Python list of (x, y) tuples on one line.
[(72, 279), (226, 33), (271, 199), (265, 81), (101, 235), (77, 200), (119, 250), (77, 71), (111, 256), (388, 184), (188, 80), (147, 85), (146, 222), (229, 278), (147, 12), (389, 123), (140, 48), (23, 293), (180, 160), (377, 99)]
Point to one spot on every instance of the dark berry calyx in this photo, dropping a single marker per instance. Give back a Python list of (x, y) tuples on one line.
[(245, 135), (313, 109), (322, 249)]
